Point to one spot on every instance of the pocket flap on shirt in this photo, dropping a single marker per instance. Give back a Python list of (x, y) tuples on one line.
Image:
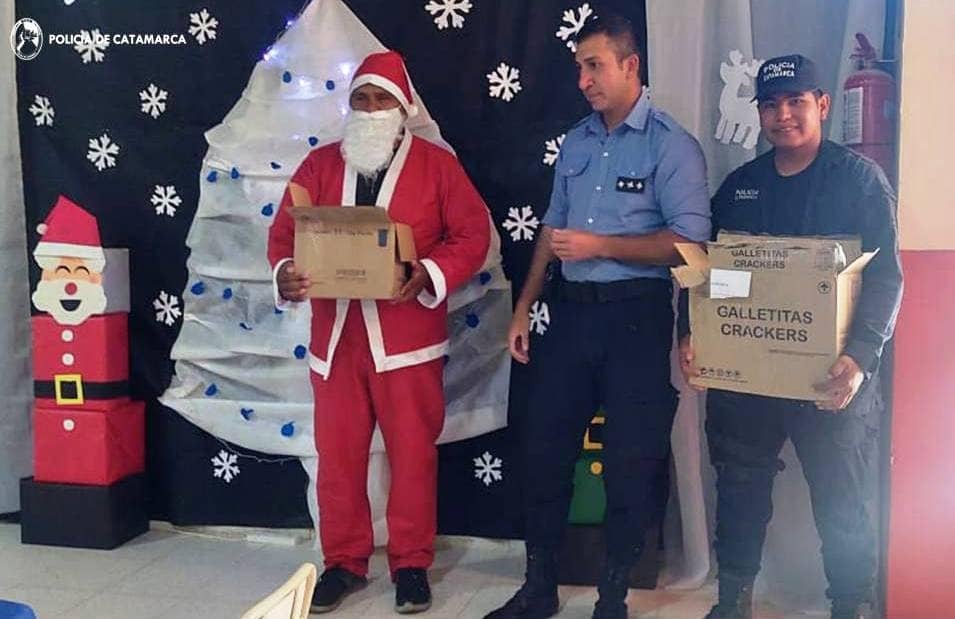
[(573, 165)]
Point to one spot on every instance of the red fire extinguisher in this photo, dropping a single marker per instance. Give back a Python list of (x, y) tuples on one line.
[(870, 108)]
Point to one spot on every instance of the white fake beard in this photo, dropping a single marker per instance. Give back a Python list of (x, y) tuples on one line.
[(369, 141), (49, 293)]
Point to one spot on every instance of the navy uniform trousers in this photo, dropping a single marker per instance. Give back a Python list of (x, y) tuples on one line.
[(607, 345), (837, 452)]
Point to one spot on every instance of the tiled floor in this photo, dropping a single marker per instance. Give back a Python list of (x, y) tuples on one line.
[(169, 575)]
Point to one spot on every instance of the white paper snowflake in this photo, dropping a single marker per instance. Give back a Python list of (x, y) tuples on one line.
[(487, 468), (503, 82), (540, 317), (165, 200), (102, 151), (453, 9), (225, 466), (153, 100), (42, 111), (203, 26), (552, 149), (574, 20), (91, 46), (167, 308), (522, 223)]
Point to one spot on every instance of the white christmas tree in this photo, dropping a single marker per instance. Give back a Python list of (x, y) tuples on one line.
[(241, 369)]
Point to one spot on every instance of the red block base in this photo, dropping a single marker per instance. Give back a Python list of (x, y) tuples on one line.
[(90, 447)]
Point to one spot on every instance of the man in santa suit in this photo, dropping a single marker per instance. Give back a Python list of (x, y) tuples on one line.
[(69, 366), (382, 361)]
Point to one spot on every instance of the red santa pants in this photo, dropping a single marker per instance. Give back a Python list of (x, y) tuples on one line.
[(408, 404)]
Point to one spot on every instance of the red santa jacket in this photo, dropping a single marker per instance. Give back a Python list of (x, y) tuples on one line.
[(426, 188), (81, 366)]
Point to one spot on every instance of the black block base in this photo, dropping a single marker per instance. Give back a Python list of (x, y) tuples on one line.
[(584, 553), (79, 516)]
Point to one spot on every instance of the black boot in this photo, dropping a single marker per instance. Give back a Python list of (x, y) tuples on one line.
[(735, 601), (613, 589), (537, 597), (842, 609)]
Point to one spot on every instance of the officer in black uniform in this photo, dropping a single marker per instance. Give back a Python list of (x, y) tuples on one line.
[(805, 186)]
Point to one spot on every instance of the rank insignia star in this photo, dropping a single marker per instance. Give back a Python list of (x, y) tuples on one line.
[(630, 185)]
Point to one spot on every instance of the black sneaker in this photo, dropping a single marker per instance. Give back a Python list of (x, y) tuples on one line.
[(334, 586), (412, 593)]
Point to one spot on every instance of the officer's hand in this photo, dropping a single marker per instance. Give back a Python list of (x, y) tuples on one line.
[(518, 336), (688, 362), (570, 245), (293, 286), (845, 378), (414, 284)]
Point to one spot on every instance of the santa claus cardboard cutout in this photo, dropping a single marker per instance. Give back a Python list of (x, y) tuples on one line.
[(87, 430)]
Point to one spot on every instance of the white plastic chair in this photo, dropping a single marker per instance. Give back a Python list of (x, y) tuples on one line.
[(291, 600)]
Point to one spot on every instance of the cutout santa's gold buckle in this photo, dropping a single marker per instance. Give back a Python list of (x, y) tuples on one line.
[(68, 388)]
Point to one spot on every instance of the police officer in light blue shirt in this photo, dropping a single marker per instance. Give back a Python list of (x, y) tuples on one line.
[(628, 184), (646, 177)]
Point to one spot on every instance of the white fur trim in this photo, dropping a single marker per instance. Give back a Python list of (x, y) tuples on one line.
[(69, 250), (385, 362), (280, 303), (383, 82), (323, 368), (427, 299), (388, 183), (318, 366), (349, 185), (341, 312)]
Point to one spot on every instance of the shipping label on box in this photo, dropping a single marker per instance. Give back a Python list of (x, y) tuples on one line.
[(770, 315)]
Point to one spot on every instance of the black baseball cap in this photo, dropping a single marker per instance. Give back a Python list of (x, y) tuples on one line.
[(792, 73)]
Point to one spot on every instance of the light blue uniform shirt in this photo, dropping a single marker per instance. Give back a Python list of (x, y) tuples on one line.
[(646, 175)]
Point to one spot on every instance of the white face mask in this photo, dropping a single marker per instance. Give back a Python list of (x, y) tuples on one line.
[(370, 137)]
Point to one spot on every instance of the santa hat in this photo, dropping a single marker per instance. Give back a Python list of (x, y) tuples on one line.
[(387, 70), (69, 232)]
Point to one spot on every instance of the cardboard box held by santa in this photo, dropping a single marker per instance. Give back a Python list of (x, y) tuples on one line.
[(353, 252)]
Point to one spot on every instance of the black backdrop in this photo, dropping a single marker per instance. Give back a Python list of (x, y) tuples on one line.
[(500, 143)]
